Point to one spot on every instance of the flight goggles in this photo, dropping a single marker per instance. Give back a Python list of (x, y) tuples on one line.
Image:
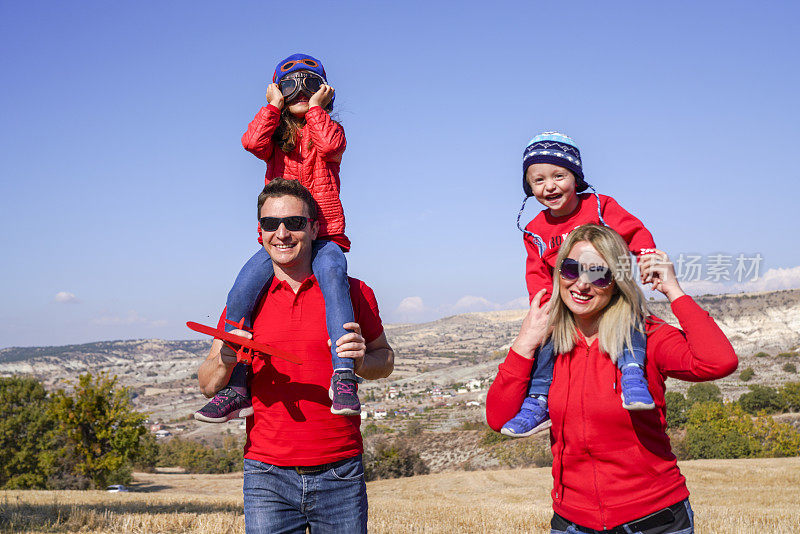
[(297, 82), (598, 275), (295, 223)]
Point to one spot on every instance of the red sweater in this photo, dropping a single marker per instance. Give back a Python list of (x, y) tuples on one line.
[(317, 168), (553, 230), (610, 465)]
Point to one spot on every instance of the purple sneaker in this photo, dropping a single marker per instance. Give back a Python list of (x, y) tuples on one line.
[(226, 404), (344, 393)]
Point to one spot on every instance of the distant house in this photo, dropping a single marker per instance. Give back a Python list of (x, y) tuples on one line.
[(163, 434), (380, 414), (364, 414), (473, 403)]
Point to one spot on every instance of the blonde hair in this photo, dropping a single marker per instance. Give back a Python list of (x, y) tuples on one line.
[(627, 308)]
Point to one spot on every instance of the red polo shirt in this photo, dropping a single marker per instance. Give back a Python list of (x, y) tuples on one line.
[(292, 423)]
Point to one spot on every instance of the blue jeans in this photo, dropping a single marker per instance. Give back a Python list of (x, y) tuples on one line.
[(542, 374), (329, 266), (682, 523), (280, 500)]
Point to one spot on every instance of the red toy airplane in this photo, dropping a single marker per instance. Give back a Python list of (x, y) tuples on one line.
[(246, 346)]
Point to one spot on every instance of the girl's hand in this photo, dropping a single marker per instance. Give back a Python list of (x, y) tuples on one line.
[(322, 97), (534, 328), (274, 95), (660, 273), (352, 345)]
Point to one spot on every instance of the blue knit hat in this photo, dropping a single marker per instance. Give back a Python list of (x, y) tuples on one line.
[(297, 62), (557, 149)]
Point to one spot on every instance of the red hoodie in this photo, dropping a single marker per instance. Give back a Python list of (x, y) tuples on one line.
[(553, 230), (317, 167), (610, 465)]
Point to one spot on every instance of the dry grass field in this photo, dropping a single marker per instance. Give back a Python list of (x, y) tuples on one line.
[(729, 496)]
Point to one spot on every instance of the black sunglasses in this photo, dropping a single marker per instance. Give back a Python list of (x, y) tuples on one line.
[(295, 223), (598, 275), (300, 82)]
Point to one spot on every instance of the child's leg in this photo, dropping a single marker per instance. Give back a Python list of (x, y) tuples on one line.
[(330, 268), (635, 394), (533, 416), (542, 374), (234, 399)]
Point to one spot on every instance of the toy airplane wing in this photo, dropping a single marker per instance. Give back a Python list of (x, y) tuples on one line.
[(247, 345)]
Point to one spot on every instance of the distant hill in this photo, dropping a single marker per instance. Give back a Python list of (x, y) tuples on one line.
[(162, 374)]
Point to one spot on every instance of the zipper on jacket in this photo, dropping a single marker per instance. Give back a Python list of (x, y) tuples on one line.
[(586, 444)]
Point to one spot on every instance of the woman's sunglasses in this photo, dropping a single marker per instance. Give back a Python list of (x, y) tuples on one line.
[(295, 223), (598, 275), (300, 82)]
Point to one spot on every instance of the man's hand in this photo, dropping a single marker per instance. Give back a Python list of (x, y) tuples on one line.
[(227, 354), (352, 345), (274, 95), (321, 98)]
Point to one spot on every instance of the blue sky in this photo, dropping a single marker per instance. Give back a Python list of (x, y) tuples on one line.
[(127, 201)]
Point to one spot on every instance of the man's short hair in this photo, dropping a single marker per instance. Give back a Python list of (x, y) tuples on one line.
[(279, 187)]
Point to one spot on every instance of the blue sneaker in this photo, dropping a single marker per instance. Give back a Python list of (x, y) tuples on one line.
[(635, 395), (533, 417)]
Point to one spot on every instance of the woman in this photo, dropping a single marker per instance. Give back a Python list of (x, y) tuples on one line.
[(613, 469)]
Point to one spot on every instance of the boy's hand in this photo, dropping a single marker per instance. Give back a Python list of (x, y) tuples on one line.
[(322, 97), (274, 95), (352, 345)]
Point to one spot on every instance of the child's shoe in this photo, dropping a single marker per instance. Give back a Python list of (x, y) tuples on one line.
[(533, 417), (635, 395), (344, 393), (226, 404)]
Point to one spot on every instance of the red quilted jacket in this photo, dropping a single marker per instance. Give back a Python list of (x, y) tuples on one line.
[(317, 168)]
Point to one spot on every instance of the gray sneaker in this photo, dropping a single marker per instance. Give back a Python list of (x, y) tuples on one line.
[(344, 393), (226, 405)]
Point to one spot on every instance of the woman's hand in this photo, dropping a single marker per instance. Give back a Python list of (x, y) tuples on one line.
[(274, 95), (660, 273), (322, 97), (534, 328)]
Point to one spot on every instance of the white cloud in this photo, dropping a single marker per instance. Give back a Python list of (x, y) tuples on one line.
[(131, 318), (65, 297)]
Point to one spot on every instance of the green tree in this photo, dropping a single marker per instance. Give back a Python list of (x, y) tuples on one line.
[(676, 409), (790, 396), (25, 434), (100, 430), (761, 398), (790, 368), (394, 459), (703, 392), (196, 457), (716, 430)]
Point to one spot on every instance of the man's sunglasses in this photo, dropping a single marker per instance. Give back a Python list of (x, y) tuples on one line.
[(598, 275), (300, 82), (295, 223)]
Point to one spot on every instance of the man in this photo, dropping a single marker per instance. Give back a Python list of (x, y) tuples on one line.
[(302, 464)]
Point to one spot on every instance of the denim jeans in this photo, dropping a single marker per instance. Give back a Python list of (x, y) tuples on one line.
[(280, 500), (683, 523), (542, 374), (329, 266)]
